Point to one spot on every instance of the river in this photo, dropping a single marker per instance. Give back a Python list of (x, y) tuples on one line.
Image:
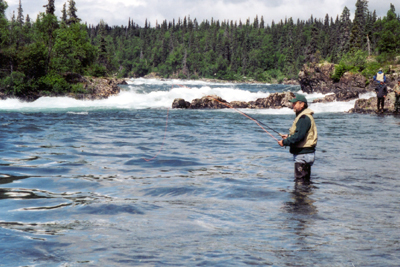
[(129, 182)]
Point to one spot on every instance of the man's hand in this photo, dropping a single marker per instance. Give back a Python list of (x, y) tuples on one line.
[(280, 143), (284, 136)]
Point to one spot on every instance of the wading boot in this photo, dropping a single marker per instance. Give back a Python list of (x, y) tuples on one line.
[(302, 172)]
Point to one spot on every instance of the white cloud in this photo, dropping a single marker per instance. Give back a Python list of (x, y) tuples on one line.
[(118, 12)]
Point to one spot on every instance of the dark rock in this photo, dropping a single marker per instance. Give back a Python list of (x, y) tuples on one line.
[(180, 103), (345, 95), (290, 82), (239, 104), (208, 102), (326, 99), (275, 101), (316, 78), (356, 82)]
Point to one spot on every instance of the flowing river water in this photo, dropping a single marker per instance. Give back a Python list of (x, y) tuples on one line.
[(76, 190)]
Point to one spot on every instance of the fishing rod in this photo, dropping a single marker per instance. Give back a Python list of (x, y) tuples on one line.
[(249, 117)]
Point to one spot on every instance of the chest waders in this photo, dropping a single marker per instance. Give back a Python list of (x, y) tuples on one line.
[(302, 172)]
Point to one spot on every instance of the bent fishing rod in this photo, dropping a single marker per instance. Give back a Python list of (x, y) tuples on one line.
[(249, 117)]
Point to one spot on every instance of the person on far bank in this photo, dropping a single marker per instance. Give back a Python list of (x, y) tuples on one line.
[(380, 77), (381, 93), (302, 139), (397, 94)]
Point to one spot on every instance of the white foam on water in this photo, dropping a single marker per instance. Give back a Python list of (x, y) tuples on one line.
[(177, 82), (133, 97)]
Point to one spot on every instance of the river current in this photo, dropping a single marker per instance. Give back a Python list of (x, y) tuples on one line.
[(216, 190)]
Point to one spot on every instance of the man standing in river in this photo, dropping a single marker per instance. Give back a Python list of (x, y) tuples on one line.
[(302, 139)]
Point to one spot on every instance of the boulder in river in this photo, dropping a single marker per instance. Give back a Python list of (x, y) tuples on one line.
[(180, 103), (275, 101)]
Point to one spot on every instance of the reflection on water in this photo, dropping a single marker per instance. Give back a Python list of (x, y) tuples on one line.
[(75, 190)]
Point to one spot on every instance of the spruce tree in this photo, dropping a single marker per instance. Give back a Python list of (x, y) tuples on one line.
[(73, 18), (343, 32), (50, 8), (358, 36), (64, 13), (389, 41), (20, 16)]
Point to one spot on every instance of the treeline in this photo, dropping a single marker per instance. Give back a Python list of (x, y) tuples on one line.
[(233, 50), (38, 55)]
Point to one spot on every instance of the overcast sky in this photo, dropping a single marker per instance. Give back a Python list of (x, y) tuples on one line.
[(118, 12)]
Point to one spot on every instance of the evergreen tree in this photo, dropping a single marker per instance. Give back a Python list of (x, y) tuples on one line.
[(343, 33), (20, 16), (64, 13), (358, 35), (73, 18), (50, 7), (390, 36), (311, 54)]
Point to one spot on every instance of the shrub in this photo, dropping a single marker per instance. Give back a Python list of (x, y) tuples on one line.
[(15, 83), (78, 89), (97, 70), (54, 84)]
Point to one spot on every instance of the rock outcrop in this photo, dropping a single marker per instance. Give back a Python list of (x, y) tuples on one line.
[(274, 101), (316, 78), (98, 88)]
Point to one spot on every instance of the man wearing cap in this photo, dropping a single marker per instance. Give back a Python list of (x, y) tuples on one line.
[(302, 139)]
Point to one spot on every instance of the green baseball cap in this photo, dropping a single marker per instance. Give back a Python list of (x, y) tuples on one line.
[(298, 98)]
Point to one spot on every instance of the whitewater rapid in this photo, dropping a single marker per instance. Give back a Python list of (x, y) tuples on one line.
[(159, 94)]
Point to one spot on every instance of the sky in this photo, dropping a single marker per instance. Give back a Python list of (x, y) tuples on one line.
[(118, 12)]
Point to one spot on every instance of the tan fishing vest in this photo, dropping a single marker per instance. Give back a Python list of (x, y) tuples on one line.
[(312, 134), (380, 77)]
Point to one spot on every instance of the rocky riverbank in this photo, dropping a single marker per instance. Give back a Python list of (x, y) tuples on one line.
[(313, 78), (316, 78)]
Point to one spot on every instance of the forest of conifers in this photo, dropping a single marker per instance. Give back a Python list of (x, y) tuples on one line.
[(37, 55)]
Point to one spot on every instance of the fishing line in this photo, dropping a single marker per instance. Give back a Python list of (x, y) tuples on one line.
[(244, 114), (225, 104)]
